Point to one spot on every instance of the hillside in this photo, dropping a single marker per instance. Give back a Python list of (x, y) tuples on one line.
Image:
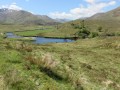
[(9, 16), (109, 23), (81, 65), (110, 15)]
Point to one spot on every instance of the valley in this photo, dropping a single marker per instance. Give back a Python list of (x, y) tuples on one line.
[(90, 62)]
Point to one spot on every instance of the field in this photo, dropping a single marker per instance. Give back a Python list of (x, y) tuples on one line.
[(16, 28), (86, 64), (33, 32), (49, 47), (65, 30)]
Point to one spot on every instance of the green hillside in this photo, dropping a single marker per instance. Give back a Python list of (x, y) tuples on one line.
[(88, 64), (109, 23)]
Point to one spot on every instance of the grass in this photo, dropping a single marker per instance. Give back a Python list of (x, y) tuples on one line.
[(13, 28), (64, 30), (19, 73), (88, 64), (33, 32), (67, 30)]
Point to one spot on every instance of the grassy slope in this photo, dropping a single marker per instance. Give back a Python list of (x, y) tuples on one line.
[(12, 28), (91, 63), (94, 60), (67, 30), (64, 30)]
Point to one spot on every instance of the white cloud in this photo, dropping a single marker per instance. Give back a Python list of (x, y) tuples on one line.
[(12, 6), (90, 1), (112, 3), (62, 15), (92, 8)]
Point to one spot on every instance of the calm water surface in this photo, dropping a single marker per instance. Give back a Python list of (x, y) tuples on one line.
[(40, 40)]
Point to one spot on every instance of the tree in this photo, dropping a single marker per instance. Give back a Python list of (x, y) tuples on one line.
[(83, 32)]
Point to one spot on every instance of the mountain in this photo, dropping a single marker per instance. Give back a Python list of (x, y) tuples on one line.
[(9, 16), (62, 20), (110, 15)]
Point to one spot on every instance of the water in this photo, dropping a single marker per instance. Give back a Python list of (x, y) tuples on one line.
[(11, 35), (41, 40)]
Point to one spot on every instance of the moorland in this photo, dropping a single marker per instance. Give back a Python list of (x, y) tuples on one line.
[(91, 62)]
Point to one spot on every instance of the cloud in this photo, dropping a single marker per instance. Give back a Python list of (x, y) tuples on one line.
[(90, 1), (112, 3), (12, 6), (93, 7)]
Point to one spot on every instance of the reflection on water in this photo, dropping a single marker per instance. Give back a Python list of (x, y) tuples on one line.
[(42, 40)]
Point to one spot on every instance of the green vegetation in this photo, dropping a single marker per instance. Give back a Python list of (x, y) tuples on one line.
[(92, 62), (83, 32), (88, 64), (15, 28), (33, 32), (111, 28), (67, 30)]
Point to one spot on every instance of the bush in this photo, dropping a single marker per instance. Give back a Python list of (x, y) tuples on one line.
[(100, 28), (83, 33), (94, 34)]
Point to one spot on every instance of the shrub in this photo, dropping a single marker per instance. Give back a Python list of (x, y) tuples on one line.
[(83, 33), (94, 34), (100, 28)]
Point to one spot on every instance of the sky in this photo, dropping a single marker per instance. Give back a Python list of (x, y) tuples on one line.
[(62, 9)]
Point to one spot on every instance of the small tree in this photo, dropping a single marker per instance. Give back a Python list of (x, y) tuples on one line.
[(84, 32)]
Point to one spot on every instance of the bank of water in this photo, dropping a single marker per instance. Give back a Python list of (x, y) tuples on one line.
[(38, 40)]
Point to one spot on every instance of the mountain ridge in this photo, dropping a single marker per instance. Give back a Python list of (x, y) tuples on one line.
[(9, 16), (110, 15)]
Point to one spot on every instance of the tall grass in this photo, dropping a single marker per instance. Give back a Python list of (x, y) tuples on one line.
[(14, 81), (54, 68)]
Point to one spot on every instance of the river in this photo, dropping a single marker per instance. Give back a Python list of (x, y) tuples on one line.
[(40, 40)]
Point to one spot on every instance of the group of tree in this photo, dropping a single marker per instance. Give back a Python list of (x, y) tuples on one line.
[(83, 31)]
